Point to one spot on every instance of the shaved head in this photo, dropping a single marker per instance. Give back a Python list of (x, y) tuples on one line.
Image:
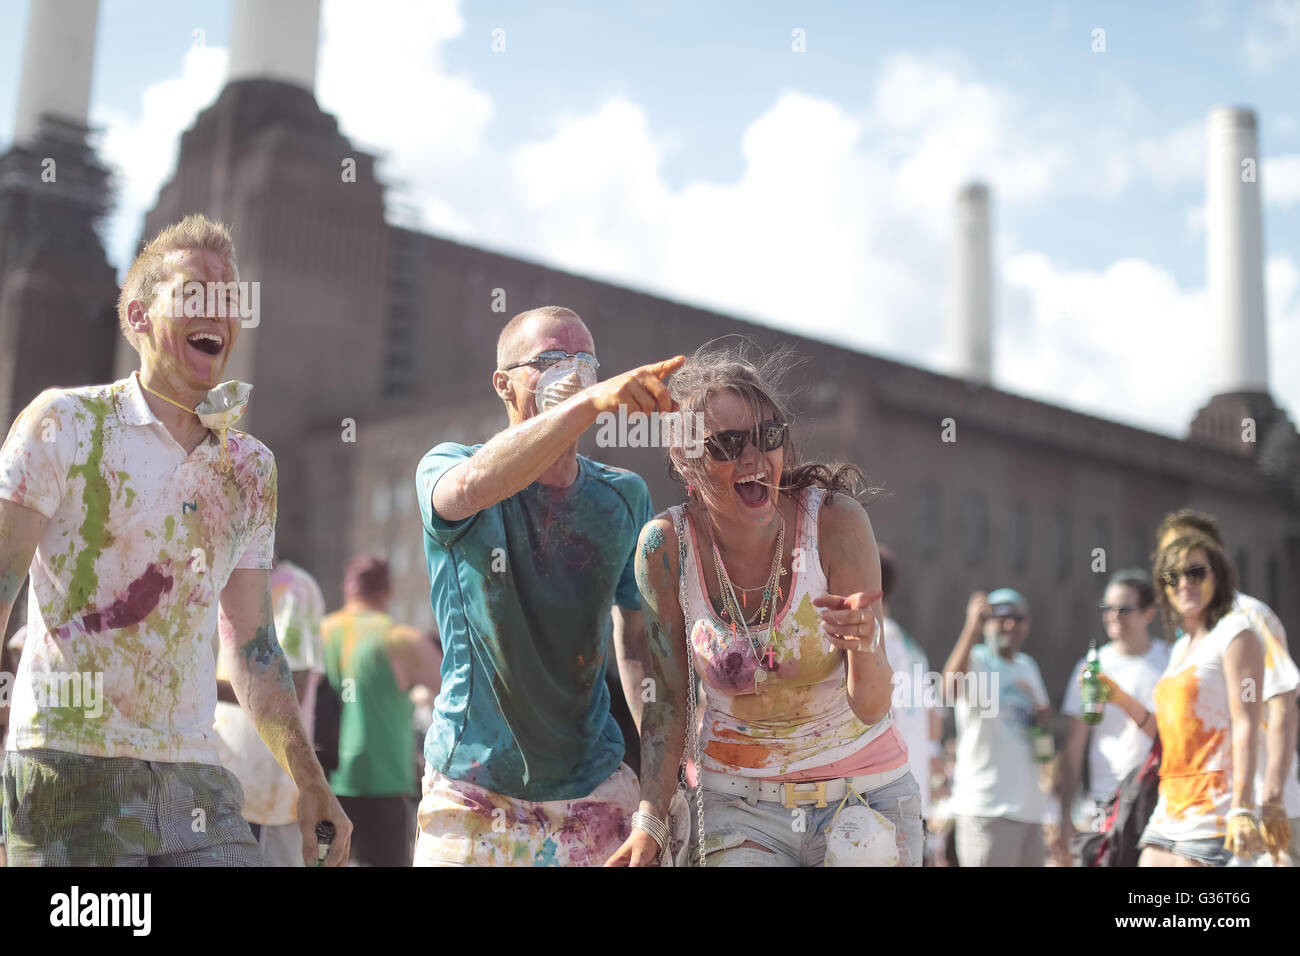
[(518, 340)]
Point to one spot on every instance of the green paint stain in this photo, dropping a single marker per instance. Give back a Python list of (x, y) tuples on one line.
[(94, 527), (169, 527)]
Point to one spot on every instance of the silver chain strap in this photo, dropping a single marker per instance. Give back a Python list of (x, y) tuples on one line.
[(692, 723)]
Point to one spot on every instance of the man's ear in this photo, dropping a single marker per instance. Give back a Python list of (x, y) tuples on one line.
[(137, 319), (503, 386)]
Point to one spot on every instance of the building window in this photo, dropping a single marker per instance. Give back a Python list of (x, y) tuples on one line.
[(1019, 537), (1063, 544), (974, 528), (928, 524)]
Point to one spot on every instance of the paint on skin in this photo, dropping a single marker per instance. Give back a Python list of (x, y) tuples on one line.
[(653, 539)]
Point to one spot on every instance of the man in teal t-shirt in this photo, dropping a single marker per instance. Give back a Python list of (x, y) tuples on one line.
[(529, 547)]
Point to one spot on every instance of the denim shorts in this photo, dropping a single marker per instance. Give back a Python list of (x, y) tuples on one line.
[(1211, 852), (798, 837)]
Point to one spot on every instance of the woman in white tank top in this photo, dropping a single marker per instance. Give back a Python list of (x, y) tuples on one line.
[(770, 575), (1207, 712)]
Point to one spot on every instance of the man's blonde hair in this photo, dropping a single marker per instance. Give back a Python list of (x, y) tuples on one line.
[(149, 268)]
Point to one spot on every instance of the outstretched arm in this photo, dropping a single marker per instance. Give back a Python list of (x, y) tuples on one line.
[(512, 460), (259, 675)]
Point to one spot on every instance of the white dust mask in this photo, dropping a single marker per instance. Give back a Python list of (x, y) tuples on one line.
[(562, 381)]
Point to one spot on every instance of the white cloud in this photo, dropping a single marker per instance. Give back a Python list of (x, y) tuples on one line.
[(1272, 36), (1279, 177), (1124, 343), (142, 149), (380, 71)]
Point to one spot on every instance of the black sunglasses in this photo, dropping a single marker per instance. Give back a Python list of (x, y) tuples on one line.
[(1195, 575), (1120, 609), (545, 360), (730, 445)]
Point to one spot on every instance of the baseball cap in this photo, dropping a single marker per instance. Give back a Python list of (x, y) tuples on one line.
[(1002, 597)]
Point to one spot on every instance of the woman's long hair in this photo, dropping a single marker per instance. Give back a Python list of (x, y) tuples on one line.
[(760, 383), (1225, 579)]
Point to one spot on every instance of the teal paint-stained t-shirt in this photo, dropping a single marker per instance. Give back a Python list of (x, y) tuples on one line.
[(522, 593)]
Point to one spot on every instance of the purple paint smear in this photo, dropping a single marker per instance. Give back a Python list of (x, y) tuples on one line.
[(141, 597)]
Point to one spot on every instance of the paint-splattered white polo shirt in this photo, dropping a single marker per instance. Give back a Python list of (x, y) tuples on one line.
[(125, 582)]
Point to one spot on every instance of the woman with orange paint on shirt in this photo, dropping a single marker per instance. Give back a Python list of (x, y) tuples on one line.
[(1207, 712), (766, 583)]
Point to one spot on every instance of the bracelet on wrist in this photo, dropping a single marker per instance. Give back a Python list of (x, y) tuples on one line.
[(652, 825), (1241, 812)]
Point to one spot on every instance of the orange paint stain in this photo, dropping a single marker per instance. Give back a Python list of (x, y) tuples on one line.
[(738, 755), (1189, 748)]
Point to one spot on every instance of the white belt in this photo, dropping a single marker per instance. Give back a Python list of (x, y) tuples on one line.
[(821, 792)]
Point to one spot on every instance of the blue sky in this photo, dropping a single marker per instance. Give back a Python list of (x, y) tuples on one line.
[(685, 148)]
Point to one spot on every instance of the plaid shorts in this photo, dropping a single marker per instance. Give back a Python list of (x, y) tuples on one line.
[(66, 809)]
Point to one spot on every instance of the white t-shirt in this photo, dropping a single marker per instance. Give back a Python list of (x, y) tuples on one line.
[(270, 795), (1280, 677), (1118, 745), (1196, 734), (995, 773), (127, 577), (910, 666)]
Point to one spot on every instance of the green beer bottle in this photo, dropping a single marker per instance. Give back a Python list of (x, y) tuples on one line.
[(1092, 693)]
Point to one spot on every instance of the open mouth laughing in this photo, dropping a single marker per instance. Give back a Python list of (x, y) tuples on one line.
[(209, 343), (751, 490)]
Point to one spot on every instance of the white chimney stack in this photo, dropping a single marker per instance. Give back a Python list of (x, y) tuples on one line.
[(1234, 252), (972, 323), (57, 64), (275, 40)]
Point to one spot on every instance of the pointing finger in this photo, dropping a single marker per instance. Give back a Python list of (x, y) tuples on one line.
[(667, 367)]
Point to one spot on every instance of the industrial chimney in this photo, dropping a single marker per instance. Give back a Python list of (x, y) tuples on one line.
[(57, 65), (1234, 252), (275, 40), (1240, 417), (971, 330)]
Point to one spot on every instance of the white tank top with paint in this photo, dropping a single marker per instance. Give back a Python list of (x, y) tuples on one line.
[(800, 719)]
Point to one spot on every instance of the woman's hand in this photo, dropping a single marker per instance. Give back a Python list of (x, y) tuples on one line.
[(1243, 837), (639, 849), (850, 623)]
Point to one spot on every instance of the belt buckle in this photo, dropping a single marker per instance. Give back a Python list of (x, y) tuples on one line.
[(792, 794)]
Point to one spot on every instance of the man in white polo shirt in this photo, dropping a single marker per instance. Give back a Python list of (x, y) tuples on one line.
[(147, 528)]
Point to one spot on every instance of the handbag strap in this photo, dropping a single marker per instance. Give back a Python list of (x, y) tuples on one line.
[(692, 741)]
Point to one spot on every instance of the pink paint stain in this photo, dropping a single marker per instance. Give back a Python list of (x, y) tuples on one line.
[(141, 597)]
